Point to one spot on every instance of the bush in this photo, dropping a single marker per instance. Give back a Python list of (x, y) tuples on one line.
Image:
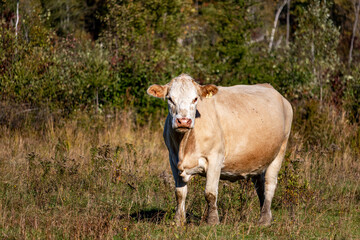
[(147, 42)]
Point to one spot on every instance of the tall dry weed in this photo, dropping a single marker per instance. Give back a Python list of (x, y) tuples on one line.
[(103, 176)]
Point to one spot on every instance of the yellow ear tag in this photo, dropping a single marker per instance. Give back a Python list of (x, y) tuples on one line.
[(209, 95)]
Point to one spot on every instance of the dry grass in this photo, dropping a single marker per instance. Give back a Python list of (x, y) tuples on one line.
[(103, 178)]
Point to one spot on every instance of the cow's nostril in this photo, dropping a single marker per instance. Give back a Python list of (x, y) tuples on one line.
[(183, 122)]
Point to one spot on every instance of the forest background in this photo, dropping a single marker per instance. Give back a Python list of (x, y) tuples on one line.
[(81, 154)]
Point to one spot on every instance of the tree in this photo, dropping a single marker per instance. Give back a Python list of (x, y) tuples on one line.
[(65, 16), (218, 40), (316, 40)]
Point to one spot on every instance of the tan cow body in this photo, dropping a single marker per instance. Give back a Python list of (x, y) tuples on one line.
[(235, 132)]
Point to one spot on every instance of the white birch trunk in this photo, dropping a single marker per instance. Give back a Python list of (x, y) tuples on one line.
[(17, 19), (288, 23), (356, 8), (275, 24)]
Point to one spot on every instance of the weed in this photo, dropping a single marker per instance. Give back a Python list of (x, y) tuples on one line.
[(100, 178)]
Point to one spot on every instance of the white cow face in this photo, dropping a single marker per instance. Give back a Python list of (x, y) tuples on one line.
[(182, 94)]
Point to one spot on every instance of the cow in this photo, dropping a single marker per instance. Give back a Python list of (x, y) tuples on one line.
[(227, 133)]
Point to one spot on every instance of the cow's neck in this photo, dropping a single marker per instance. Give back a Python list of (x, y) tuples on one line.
[(185, 142)]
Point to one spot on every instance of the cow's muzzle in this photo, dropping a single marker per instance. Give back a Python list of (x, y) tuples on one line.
[(183, 122)]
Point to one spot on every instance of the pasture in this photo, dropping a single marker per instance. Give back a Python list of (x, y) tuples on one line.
[(103, 177), (81, 148)]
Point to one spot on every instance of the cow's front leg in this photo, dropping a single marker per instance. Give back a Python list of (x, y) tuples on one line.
[(180, 193), (211, 189), (180, 215)]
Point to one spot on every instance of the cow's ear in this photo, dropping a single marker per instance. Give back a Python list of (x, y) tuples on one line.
[(158, 91), (208, 90)]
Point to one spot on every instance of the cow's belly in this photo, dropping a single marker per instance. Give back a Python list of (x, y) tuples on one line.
[(225, 174), (250, 161), (231, 176), (251, 155), (242, 162), (231, 170), (236, 174), (242, 169)]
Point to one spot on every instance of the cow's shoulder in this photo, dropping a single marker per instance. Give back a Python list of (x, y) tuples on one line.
[(267, 85)]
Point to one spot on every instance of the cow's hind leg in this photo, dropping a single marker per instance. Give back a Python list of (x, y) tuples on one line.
[(259, 182), (271, 175), (180, 193)]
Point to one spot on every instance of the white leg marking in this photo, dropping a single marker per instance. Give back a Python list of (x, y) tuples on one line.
[(180, 215), (270, 185), (180, 192), (211, 189)]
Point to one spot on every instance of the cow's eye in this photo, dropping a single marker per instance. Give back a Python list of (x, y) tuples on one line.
[(195, 100)]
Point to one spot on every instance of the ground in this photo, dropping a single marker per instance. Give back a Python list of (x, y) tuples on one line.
[(105, 177)]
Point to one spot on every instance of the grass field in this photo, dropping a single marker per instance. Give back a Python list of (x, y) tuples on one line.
[(104, 177)]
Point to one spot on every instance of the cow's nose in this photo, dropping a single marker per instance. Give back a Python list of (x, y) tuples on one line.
[(183, 122)]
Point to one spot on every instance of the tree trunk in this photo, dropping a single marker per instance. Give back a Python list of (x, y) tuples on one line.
[(67, 16), (275, 24), (321, 88), (288, 23), (17, 19), (313, 57), (96, 100), (356, 8)]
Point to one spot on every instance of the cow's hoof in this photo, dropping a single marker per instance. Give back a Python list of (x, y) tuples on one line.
[(213, 219), (179, 221), (265, 220)]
